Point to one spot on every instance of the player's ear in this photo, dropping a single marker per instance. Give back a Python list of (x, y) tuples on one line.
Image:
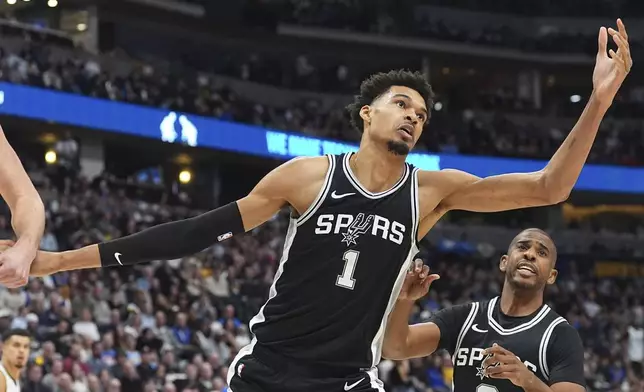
[(503, 264), (365, 114), (553, 276)]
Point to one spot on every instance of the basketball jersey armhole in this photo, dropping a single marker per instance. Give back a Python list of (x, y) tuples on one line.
[(415, 208), (324, 190)]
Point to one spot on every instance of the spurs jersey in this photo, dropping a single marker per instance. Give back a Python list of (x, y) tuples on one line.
[(342, 268), (12, 385), (543, 341)]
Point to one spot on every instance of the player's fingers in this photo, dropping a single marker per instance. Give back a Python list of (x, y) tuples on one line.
[(622, 28), (496, 349), (612, 32), (424, 272), (602, 41), (418, 266), (620, 42)]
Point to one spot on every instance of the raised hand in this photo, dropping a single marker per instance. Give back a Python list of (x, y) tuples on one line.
[(611, 67), (417, 282)]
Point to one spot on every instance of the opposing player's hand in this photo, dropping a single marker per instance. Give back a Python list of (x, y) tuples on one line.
[(611, 67), (417, 281), (15, 261), (501, 363)]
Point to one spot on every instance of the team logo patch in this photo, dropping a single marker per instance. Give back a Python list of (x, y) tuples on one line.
[(359, 226)]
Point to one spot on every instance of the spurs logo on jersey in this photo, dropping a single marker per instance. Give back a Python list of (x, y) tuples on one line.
[(474, 356), (353, 227)]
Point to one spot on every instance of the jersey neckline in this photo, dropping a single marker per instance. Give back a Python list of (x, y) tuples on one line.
[(364, 191), (531, 322)]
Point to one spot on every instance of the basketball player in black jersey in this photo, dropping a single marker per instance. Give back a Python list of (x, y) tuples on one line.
[(356, 220), (510, 343)]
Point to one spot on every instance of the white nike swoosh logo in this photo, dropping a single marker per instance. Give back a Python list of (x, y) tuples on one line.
[(348, 387), (116, 256), (336, 196), (475, 328)]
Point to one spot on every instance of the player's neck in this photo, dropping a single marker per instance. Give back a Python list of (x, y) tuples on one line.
[(12, 370), (376, 169), (519, 303)]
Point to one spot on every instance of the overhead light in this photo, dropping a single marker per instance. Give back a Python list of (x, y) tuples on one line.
[(50, 157), (81, 27), (185, 176), (11, 2), (438, 106), (52, 3), (575, 98)]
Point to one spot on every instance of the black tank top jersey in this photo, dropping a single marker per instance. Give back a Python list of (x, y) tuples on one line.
[(527, 337), (341, 271)]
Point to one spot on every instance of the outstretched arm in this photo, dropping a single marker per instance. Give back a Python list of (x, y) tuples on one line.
[(554, 183), (27, 216), (185, 237)]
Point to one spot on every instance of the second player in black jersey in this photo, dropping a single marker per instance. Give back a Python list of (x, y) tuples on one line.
[(513, 342)]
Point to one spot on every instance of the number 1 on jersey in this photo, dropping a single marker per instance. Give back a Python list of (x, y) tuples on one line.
[(346, 280)]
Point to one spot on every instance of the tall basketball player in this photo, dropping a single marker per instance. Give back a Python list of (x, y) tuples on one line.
[(15, 353), (28, 217), (510, 343), (356, 221)]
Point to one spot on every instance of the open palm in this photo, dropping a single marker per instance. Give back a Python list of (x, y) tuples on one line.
[(611, 67)]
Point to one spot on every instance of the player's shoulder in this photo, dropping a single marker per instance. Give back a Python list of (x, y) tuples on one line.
[(304, 168)]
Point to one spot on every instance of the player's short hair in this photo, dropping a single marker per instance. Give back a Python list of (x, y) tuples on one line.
[(535, 230), (15, 332), (378, 84)]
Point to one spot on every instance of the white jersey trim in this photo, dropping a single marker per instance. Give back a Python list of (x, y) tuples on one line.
[(543, 346), (324, 190), (12, 385), (465, 327), (232, 369), (366, 193), (272, 292), (519, 328), (376, 344)]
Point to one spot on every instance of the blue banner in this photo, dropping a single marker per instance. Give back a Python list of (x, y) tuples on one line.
[(193, 130)]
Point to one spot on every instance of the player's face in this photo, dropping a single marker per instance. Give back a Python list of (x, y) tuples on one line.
[(529, 263), (396, 118), (16, 351)]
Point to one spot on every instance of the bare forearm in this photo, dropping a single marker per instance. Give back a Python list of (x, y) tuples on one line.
[(28, 220), (48, 263), (562, 172), (397, 333)]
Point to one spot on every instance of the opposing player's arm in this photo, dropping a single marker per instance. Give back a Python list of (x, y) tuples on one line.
[(565, 358), (550, 185), (3, 384), (185, 237), (27, 209), (404, 341)]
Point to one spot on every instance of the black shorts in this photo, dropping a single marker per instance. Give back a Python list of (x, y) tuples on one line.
[(256, 370)]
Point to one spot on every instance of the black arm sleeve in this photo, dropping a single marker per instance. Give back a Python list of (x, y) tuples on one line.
[(449, 322), (174, 239), (565, 356)]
